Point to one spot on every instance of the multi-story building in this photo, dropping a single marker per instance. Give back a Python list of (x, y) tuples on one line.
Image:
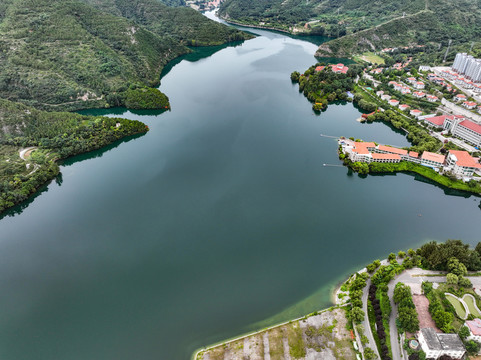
[(436, 345), (461, 163), (432, 160), (467, 65)]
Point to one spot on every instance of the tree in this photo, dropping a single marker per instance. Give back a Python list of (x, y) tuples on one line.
[(472, 347), (401, 254), (408, 318), (463, 332), (464, 282), (357, 315), (391, 256), (452, 279), (401, 292), (369, 354), (456, 267)]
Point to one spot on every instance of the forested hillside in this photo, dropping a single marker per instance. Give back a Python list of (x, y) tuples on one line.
[(53, 136), (458, 20), (71, 55), (365, 25), (333, 18)]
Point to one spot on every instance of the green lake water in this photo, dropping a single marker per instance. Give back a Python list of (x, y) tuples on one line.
[(220, 220)]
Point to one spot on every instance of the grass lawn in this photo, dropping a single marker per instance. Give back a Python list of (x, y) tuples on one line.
[(372, 58), (457, 306), (470, 302)]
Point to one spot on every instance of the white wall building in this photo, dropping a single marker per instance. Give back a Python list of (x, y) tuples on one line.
[(436, 345)]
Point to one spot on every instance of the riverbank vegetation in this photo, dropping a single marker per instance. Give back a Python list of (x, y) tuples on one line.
[(52, 136), (70, 55)]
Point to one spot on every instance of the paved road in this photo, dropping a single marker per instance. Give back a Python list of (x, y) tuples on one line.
[(365, 323)]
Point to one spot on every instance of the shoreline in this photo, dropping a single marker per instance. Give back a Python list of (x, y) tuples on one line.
[(213, 346), (336, 303)]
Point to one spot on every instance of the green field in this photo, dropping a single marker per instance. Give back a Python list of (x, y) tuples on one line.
[(469, 300), (372, 58), (457, 306)]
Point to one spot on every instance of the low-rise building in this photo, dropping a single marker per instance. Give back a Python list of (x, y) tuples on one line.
[(403, 107), (419, 94), (469, 105), (460, 97), (416, 113), (339, 68), (461, 163), (393, 102), (432, 160), (379, 93), (432, 98), (385, 97), (436, 345), (418, 85)]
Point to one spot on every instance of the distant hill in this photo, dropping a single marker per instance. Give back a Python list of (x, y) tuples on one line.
[(458, 20), (365, 25), (78, 54)]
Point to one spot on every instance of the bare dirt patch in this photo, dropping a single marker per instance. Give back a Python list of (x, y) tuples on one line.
[(425, 320), (323, 336)]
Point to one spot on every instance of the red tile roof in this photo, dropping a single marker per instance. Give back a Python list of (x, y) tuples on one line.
[(472, 126), (339, 68), (433, 157), (464, 159), (413, 154), (437, 120), (320, 68), (361, 147), (377, 156), (474, 326), (392, 149)]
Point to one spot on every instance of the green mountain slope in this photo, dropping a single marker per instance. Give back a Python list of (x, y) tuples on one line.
[(183, 24), (53, 136), (366, 25), (333, 18), (458, 20), (69, 55)]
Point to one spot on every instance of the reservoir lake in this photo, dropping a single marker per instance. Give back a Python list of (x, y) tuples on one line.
[(220, 220)]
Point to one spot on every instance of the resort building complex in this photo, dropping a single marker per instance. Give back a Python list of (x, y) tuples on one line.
[(460, 163)]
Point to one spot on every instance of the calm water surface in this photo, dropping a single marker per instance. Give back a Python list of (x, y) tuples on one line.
[(221, 219)]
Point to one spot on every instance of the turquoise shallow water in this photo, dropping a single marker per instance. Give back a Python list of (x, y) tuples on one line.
[(219, 218)]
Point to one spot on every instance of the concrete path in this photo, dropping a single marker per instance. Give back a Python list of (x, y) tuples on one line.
[(24, 151)]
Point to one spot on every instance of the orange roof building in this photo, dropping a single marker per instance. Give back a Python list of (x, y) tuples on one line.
[(432, 160), (461, 163)]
